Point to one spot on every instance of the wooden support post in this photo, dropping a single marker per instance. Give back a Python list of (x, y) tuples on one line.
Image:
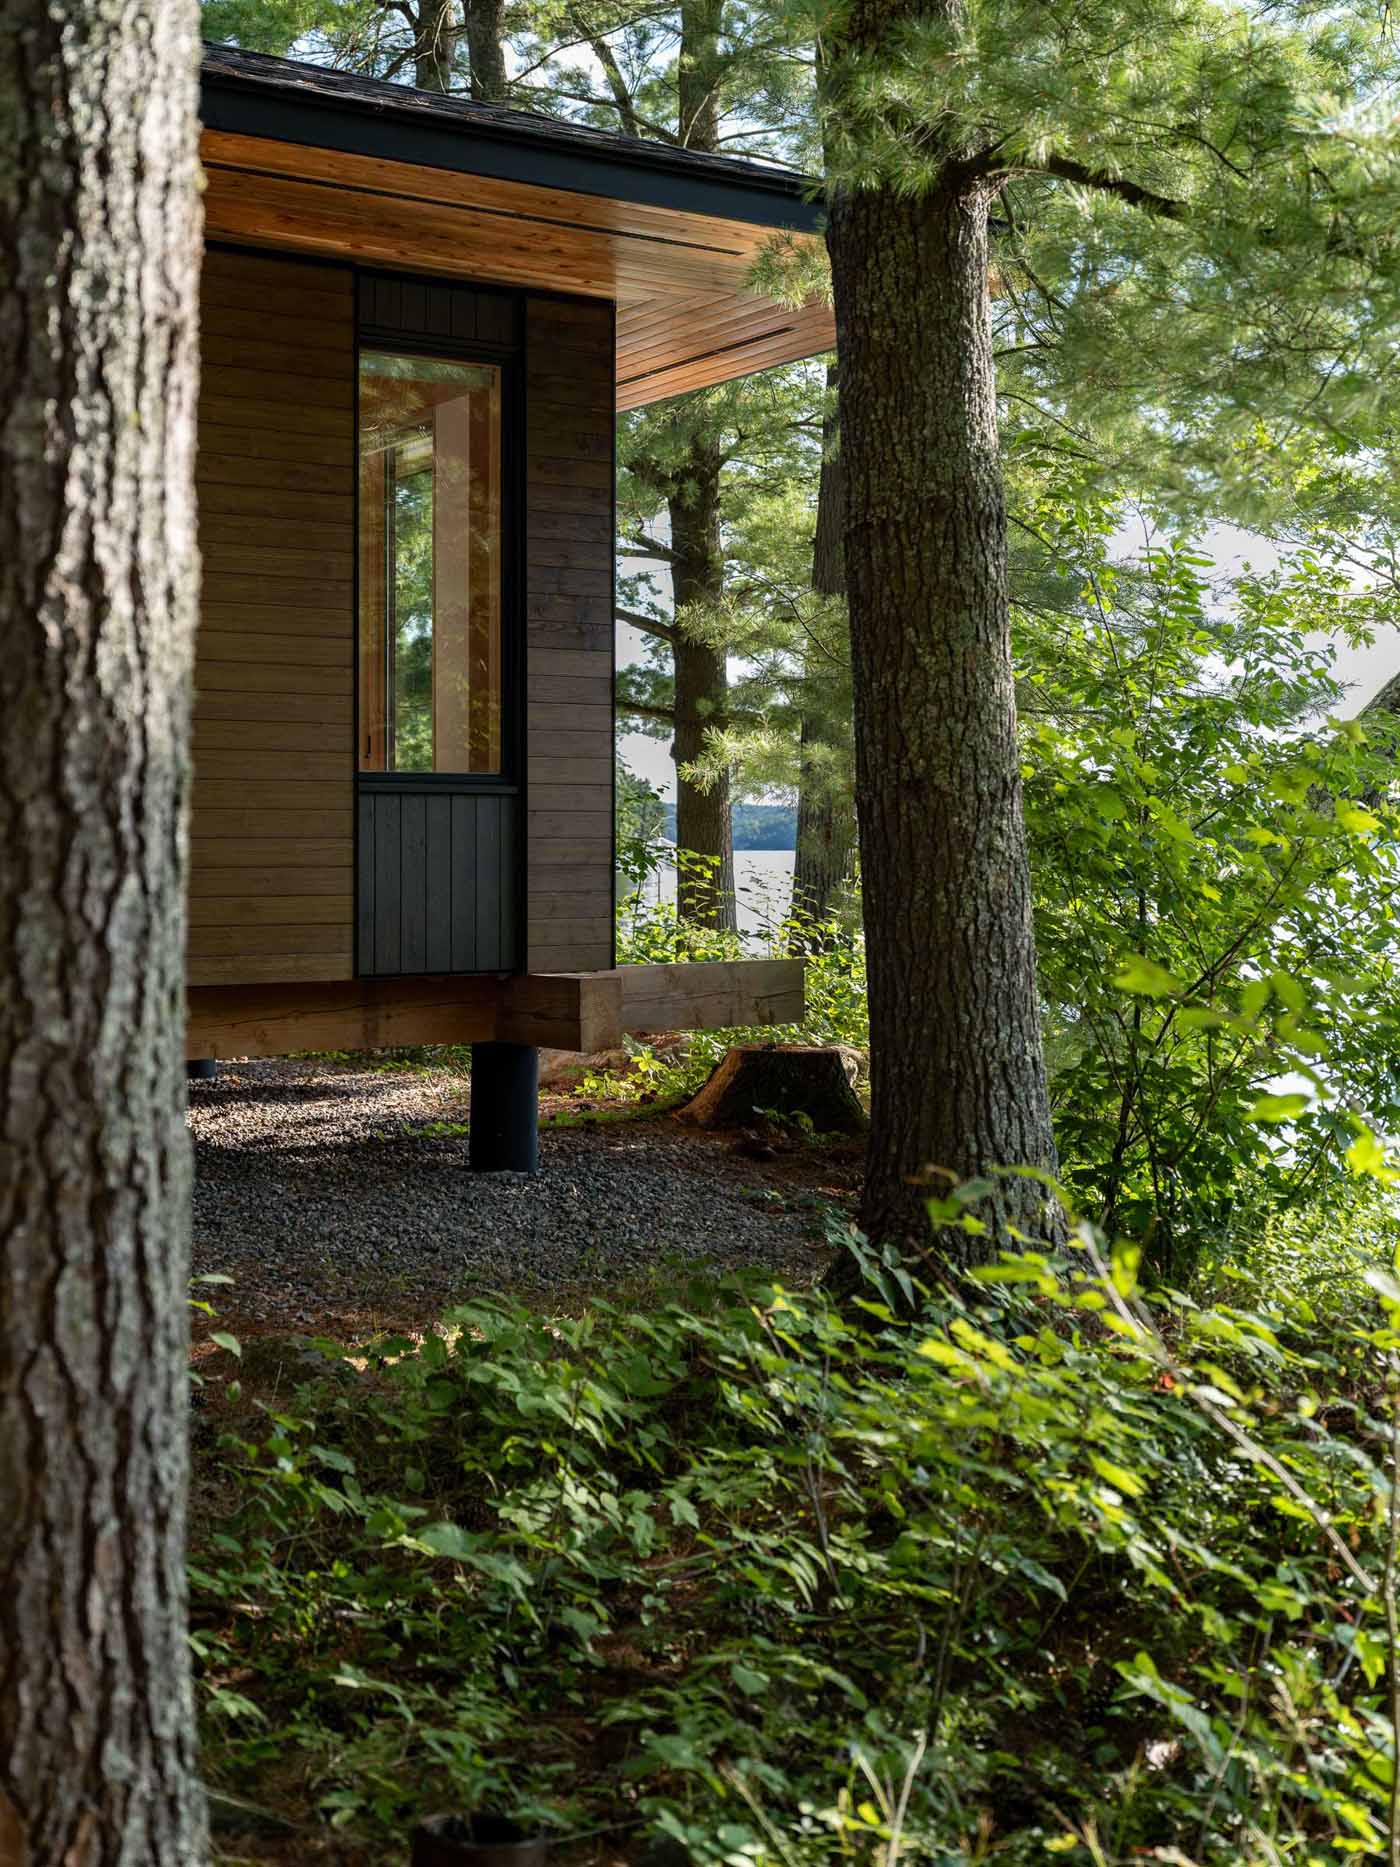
[(505, 1122)]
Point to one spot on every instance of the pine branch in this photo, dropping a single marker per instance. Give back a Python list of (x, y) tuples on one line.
[(650, 548), (649, 624), (1063, 169)]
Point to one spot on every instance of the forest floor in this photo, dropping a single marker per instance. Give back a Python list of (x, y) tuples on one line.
[(336, 1198)]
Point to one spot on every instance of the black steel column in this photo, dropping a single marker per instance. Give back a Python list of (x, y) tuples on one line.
[(505, 1126)]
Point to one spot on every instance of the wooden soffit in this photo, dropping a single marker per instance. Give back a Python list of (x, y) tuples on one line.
[(686, 318)]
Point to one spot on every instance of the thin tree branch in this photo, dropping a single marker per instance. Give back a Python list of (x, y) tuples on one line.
[(1132, 192), (650, 625), (650, 548)]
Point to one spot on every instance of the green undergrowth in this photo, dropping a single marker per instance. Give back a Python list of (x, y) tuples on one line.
[(1060, 1569)]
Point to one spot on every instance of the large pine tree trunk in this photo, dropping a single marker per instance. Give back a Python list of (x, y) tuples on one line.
[(703, 818), (826, 832), (826, 818), (957, 1068), (99, 239), (434, 44), (704, 821), (486, 56)]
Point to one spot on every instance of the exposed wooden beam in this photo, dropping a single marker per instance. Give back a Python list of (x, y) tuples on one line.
[(582, 1011)]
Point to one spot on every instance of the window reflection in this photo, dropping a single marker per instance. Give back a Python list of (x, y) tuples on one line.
[(430, 554)]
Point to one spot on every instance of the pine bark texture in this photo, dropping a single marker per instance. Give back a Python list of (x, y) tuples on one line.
[(826, 817), (697, 75), (434, 45), (99, 243), (486, 55), (957, 1068), (704, 822)]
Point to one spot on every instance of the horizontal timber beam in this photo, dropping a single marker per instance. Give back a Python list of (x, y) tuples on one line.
[(582, 1011), (711, 995)]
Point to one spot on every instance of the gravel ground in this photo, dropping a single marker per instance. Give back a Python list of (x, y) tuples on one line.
[(322, 1189)]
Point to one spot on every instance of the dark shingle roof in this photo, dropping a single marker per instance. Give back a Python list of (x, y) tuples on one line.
[(254, 94)]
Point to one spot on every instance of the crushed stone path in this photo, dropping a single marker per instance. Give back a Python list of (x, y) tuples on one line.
[(323, 1187)]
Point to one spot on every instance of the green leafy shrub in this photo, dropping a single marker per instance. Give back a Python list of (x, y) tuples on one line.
[(1055, 1570), (1206, 833)]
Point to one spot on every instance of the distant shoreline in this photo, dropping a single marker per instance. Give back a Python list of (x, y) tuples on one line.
[(756, 826)]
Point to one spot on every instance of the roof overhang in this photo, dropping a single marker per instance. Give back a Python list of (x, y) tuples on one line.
[(319, 162)]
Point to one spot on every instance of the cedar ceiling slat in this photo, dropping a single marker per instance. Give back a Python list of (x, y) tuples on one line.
[(732, 320), (787, 345)]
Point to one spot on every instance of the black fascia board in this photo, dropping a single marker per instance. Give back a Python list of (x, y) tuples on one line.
[(368, 119)]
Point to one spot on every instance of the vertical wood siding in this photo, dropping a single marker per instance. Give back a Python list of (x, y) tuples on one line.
[(425, 308), (272, 832), (439, 873), (569, 634)]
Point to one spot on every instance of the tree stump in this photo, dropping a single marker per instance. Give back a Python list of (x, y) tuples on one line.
[(784, 1079)]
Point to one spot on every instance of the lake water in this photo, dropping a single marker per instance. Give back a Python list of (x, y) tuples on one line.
[(762, 884)]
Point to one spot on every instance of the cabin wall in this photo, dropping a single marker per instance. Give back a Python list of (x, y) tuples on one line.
[(272, 833), (569, 472)]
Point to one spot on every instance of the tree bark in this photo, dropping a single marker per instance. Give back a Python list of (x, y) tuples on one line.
[(704, 824), (826, 817), (99, 244), (826, 834), (752, 1081), (698, 74), (435, 45), (957, 1068), (486, 56)]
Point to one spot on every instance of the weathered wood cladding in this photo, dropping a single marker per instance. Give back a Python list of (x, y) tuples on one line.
[(272, 833), (569, 634), (273, 886), (439, 881)]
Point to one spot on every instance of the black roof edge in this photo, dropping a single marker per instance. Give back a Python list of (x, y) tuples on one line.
[(254, 94)]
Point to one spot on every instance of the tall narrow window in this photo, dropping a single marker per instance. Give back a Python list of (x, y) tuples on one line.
[(430, 565)]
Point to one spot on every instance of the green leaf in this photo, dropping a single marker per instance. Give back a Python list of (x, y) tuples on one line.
[(1366, 1157), (1145, 977), (1254, 997), (1117, 1475), (1197, 1018), (748, 1679), (682, 1510), (1355, 820), (446, 1539), (1288, 990), (224, 1340), (1278, 1108)]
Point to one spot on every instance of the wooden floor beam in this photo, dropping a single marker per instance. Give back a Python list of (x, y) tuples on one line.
[(581, 1011)]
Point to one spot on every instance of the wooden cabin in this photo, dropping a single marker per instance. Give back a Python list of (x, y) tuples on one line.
[(419, 318)]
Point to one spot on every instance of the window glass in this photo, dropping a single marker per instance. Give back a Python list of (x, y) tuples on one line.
[(430, 565)]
